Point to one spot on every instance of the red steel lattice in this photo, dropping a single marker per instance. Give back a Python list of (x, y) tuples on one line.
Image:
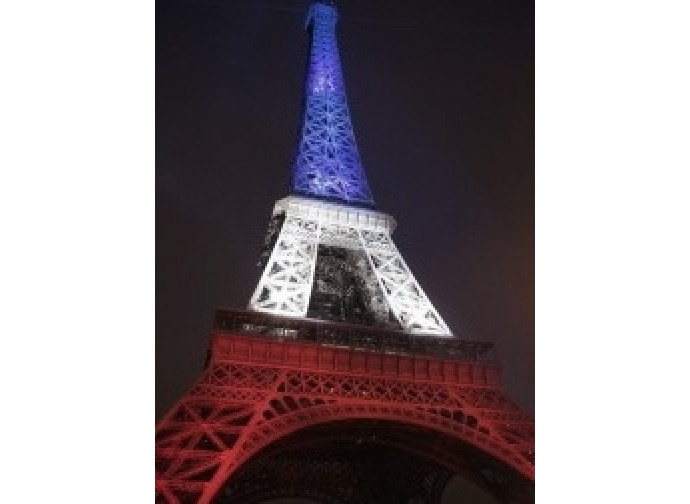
[(261, 385)]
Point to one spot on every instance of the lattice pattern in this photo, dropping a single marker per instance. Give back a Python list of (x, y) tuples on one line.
[(368, 388), (239, 376), (236, 409), (328, 163), (191, 443), (406, 298), (228, 393), (335, 235), (286, 283), (487, 399), (287, 414)]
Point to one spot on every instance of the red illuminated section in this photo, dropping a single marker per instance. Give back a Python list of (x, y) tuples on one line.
[(268, 378)]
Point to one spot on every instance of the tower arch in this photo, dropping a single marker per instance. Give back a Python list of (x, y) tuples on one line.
[(353, 461), (462, 429), (261, 391)]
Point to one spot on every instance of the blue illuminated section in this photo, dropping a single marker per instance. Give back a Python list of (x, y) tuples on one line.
[(328, 164)]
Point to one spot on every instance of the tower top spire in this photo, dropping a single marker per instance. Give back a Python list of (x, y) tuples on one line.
[(328, 165)]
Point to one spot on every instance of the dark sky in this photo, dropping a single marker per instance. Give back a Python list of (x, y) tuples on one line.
[(442, 100)]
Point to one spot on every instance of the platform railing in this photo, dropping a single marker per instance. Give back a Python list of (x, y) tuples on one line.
[(359, 337)]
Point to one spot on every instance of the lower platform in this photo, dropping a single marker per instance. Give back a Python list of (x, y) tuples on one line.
[(275, 391)]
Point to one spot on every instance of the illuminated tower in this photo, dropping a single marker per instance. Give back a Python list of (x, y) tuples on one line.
[(329, 254), (342, 383)]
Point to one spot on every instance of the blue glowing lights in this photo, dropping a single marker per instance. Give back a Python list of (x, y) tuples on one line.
[(328, 163)]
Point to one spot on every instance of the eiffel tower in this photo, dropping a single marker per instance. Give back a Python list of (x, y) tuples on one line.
[(341, 383)]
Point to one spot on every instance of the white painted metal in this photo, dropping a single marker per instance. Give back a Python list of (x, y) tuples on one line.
[(286, 283), (405, 297)]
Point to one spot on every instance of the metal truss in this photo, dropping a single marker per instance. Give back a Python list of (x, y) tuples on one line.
[(257, 392), (287, 281), (328, 163), (408, 302)]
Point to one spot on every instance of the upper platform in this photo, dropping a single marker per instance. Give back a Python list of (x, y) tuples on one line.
[(328, 165)]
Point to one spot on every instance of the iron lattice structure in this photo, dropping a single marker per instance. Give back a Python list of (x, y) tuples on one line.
[(293, 407), (328, 163), (343, 383), (331, 215), (287, 283)]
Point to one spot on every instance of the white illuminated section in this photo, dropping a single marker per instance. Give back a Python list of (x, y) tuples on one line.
[(405, 296), (286, 283)]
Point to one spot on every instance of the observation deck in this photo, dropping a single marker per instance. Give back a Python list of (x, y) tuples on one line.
[(322, 345)]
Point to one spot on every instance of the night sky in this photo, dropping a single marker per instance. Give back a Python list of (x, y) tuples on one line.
[(442, 101)]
